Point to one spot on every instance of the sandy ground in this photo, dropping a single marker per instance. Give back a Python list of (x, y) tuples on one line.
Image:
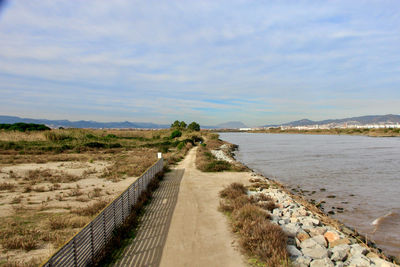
[(89, 189), (199, 234)]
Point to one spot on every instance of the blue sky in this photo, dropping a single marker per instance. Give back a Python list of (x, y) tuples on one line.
[(259, 62)]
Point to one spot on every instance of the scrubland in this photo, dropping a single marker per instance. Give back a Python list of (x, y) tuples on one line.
[(54, 182)]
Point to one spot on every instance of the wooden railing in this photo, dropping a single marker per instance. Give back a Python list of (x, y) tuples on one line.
[(82, 248)]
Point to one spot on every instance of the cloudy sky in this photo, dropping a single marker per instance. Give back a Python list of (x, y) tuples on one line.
[(259, 62)]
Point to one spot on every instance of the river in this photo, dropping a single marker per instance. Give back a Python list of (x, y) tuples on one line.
[(358, 174)]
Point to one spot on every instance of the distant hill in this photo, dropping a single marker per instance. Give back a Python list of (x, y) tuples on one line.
[(231, 125), (84, 124), (108, 125), (370, 119)]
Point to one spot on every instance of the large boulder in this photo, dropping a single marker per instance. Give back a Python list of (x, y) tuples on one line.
[(339, 253), (315, 252)]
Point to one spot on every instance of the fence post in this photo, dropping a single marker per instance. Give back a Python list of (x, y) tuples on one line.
[(92, 241), (123, 213), (104, 228), (115, 220), (74, 249)]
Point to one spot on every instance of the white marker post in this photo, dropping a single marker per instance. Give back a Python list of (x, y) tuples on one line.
[(159, 155)]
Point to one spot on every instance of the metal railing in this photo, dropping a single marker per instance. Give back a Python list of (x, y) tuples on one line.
[(83, 247)]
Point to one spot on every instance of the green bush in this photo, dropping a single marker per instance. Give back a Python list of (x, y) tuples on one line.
[(181, 145), (176, 133), (194, 126), (23, 127)]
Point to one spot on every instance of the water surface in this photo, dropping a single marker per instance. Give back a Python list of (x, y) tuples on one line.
[(363, 173)]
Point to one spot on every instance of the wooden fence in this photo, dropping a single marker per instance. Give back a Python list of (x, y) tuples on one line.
[(82, 249)]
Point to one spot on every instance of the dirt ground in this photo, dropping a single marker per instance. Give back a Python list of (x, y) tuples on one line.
[(33, 197), (199, 234)]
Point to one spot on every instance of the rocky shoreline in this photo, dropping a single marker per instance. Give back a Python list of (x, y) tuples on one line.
[(314, 239), (311, 242)]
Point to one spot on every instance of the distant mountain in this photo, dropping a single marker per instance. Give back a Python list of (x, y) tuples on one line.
[(84, 124), (231, 125), (108, 125), (370, 119)]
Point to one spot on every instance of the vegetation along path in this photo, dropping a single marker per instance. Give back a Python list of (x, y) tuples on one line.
[(182, 225)]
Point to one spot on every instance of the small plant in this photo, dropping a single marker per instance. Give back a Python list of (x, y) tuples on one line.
[(7, 186)]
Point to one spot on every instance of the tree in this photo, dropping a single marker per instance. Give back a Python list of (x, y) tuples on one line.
[(178, 125), (182, 125), (194, 126)]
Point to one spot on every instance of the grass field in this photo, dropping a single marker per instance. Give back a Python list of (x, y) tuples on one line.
[(53, 182)]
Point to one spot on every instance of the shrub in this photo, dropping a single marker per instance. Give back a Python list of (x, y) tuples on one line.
[(175, 134), (22, 127), (218, 166), (181, 145), (194, 126), (266, 241), (232, 191)]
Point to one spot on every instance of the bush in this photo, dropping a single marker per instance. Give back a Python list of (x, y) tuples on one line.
[(194, 126), (175, 134), (22, 127), (181, 145), (218, 166)]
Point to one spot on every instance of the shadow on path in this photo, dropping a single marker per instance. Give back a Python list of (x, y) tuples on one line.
[(147, 247)]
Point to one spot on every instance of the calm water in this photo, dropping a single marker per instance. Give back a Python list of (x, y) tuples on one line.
[(362, 172)]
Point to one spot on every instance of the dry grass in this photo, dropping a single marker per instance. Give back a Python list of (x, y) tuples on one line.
[(7, 186), (259, 238), (133, 163), (47, 175), (92, 209)]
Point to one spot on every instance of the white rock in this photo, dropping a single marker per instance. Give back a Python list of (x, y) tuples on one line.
[(320, 239), (359, 261), (308, 243), (325, 262), (315, 252), (291, 229), (382, 263), (293, 251), (317, 231), (339, 264), (357, 249), (302, 262), (339, 253)]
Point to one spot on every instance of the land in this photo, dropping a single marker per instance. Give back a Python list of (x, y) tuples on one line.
[(387, 132), (54, 182)]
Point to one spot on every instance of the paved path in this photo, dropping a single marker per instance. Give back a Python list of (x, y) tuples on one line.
[(182, 226)]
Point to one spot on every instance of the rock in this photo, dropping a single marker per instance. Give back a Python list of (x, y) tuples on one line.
[(358, 249), (325, 262), (315, 252), (339, 264), (302, 236), (339, 242), (382, 263), (293, 251), (291, 229), (359, 261), (320, 239), (302, 262), (372, 255), (331, 236), (317, 231), (308, 243), (339, 253)]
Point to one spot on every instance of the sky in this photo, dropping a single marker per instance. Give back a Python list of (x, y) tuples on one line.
[(259, 62)]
